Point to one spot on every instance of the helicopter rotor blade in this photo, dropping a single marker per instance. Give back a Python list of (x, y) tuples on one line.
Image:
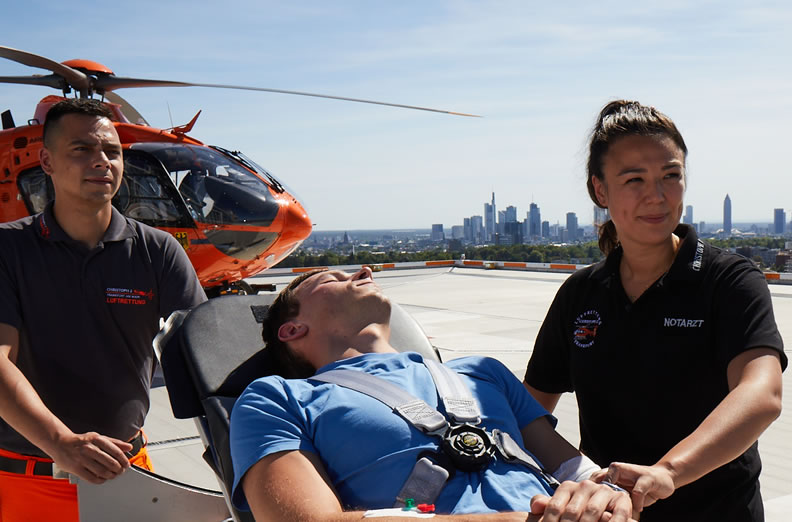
[(51, 80), (110, 83), (130, 112), (73, 77)]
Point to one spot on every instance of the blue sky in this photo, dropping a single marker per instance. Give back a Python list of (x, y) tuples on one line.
[(537, 71)]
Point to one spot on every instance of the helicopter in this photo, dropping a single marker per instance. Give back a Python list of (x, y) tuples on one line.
[(233, 217)]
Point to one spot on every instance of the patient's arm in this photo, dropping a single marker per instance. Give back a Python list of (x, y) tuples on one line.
[(293, 486), (571, 499)]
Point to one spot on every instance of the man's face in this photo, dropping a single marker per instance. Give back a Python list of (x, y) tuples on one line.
[(333, 301), (84, 160)]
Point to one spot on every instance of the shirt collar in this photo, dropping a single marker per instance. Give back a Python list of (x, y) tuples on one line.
[(688, 263), (48, 228)]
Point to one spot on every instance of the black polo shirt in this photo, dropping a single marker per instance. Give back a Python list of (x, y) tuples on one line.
[(646, 374), (86, 318)]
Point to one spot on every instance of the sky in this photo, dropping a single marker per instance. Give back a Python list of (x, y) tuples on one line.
[(538, 73)]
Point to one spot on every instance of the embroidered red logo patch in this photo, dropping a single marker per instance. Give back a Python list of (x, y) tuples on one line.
[(586, 326), (43, 228), (128, 296)]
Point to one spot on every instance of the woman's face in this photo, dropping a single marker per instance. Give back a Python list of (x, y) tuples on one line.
[(643, 186)]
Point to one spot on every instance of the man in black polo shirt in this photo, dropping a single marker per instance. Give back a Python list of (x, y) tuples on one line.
[(82, 290), (648, 373)]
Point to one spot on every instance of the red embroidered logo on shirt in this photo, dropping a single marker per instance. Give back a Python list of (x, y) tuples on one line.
[(43, 228), (586, 326), (128, 296)]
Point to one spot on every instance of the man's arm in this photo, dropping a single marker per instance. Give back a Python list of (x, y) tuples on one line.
[(293, 486), (90, 456), (571, 499), (753, 402), (549, 401)]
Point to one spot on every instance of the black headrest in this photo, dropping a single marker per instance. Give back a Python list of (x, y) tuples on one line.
[(216, 349)]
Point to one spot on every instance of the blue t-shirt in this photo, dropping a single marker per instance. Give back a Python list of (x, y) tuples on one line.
[(367, 449)]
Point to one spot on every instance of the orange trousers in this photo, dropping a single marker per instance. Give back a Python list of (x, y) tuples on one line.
[(36, 498)]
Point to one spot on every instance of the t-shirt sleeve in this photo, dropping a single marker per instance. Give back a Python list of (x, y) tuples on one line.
[(266, 419), (9, 295), (179, 285), (548, 369), (744, 316)]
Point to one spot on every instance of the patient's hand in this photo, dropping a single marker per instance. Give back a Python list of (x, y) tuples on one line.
[(583, 501)]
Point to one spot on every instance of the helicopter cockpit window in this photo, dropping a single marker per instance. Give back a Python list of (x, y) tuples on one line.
[(217, 188), (36, 189), (145, 193)]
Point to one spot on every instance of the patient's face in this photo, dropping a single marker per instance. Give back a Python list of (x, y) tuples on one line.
[(336, 300)]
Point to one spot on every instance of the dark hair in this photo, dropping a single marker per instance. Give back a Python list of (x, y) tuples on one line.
[(285, 307), (616, 120), (86, 106)]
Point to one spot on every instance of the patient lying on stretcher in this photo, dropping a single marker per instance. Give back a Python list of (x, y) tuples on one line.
[(360, 427)]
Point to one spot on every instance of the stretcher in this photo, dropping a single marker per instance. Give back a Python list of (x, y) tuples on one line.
[(208, 356)]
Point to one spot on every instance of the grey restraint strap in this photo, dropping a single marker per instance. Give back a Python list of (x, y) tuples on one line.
[(414, 410), (455, 395)]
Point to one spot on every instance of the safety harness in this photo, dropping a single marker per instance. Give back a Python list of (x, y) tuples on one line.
[(465, 445)]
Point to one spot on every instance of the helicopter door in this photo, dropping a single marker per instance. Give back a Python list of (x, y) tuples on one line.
[(147, 193)]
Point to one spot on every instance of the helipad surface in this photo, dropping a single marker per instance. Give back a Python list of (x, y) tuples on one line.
[(496, 313)]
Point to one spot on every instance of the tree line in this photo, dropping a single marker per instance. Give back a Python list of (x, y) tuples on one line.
[(580, 253)]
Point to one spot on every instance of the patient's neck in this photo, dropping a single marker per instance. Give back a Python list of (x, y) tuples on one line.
[(371, 339)]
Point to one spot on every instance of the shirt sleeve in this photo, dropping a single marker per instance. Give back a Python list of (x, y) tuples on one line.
[(179, 285), (549, 367), (744, 314), (265, 419), (9, 295)]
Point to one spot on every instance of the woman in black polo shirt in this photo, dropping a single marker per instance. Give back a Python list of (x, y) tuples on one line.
[(670, 344)]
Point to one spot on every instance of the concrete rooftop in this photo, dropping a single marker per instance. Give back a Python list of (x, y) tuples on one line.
[(497, 313)]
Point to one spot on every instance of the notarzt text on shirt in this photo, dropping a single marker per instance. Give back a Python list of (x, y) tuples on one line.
[(683, 323)]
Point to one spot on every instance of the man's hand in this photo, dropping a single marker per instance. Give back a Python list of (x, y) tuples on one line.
[(583, 501), (647, 484), (91, 456)]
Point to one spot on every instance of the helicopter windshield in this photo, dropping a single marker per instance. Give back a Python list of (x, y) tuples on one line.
[(217, 188)]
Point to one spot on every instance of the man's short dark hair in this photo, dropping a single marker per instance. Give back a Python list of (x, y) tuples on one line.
[(285, 307), (86, 106)]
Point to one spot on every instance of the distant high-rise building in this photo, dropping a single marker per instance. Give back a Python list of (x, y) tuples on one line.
[(545, 229), (477, 229), (345, 241), (511, 214), (534, 222), (571, 226), (501, 222), (490, 221), (437, 232), (467, 230), (702, 227), (688, 219), (457, 232), (727, 216), (601, 215), (779, 221)]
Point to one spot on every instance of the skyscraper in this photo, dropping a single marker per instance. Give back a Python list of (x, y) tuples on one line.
[(688, 219), (467, 229), (727, 218), (534, 222), (490, 219), (779, 221), (571, 226), (437, 232), (477, 229), (511, 214)]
